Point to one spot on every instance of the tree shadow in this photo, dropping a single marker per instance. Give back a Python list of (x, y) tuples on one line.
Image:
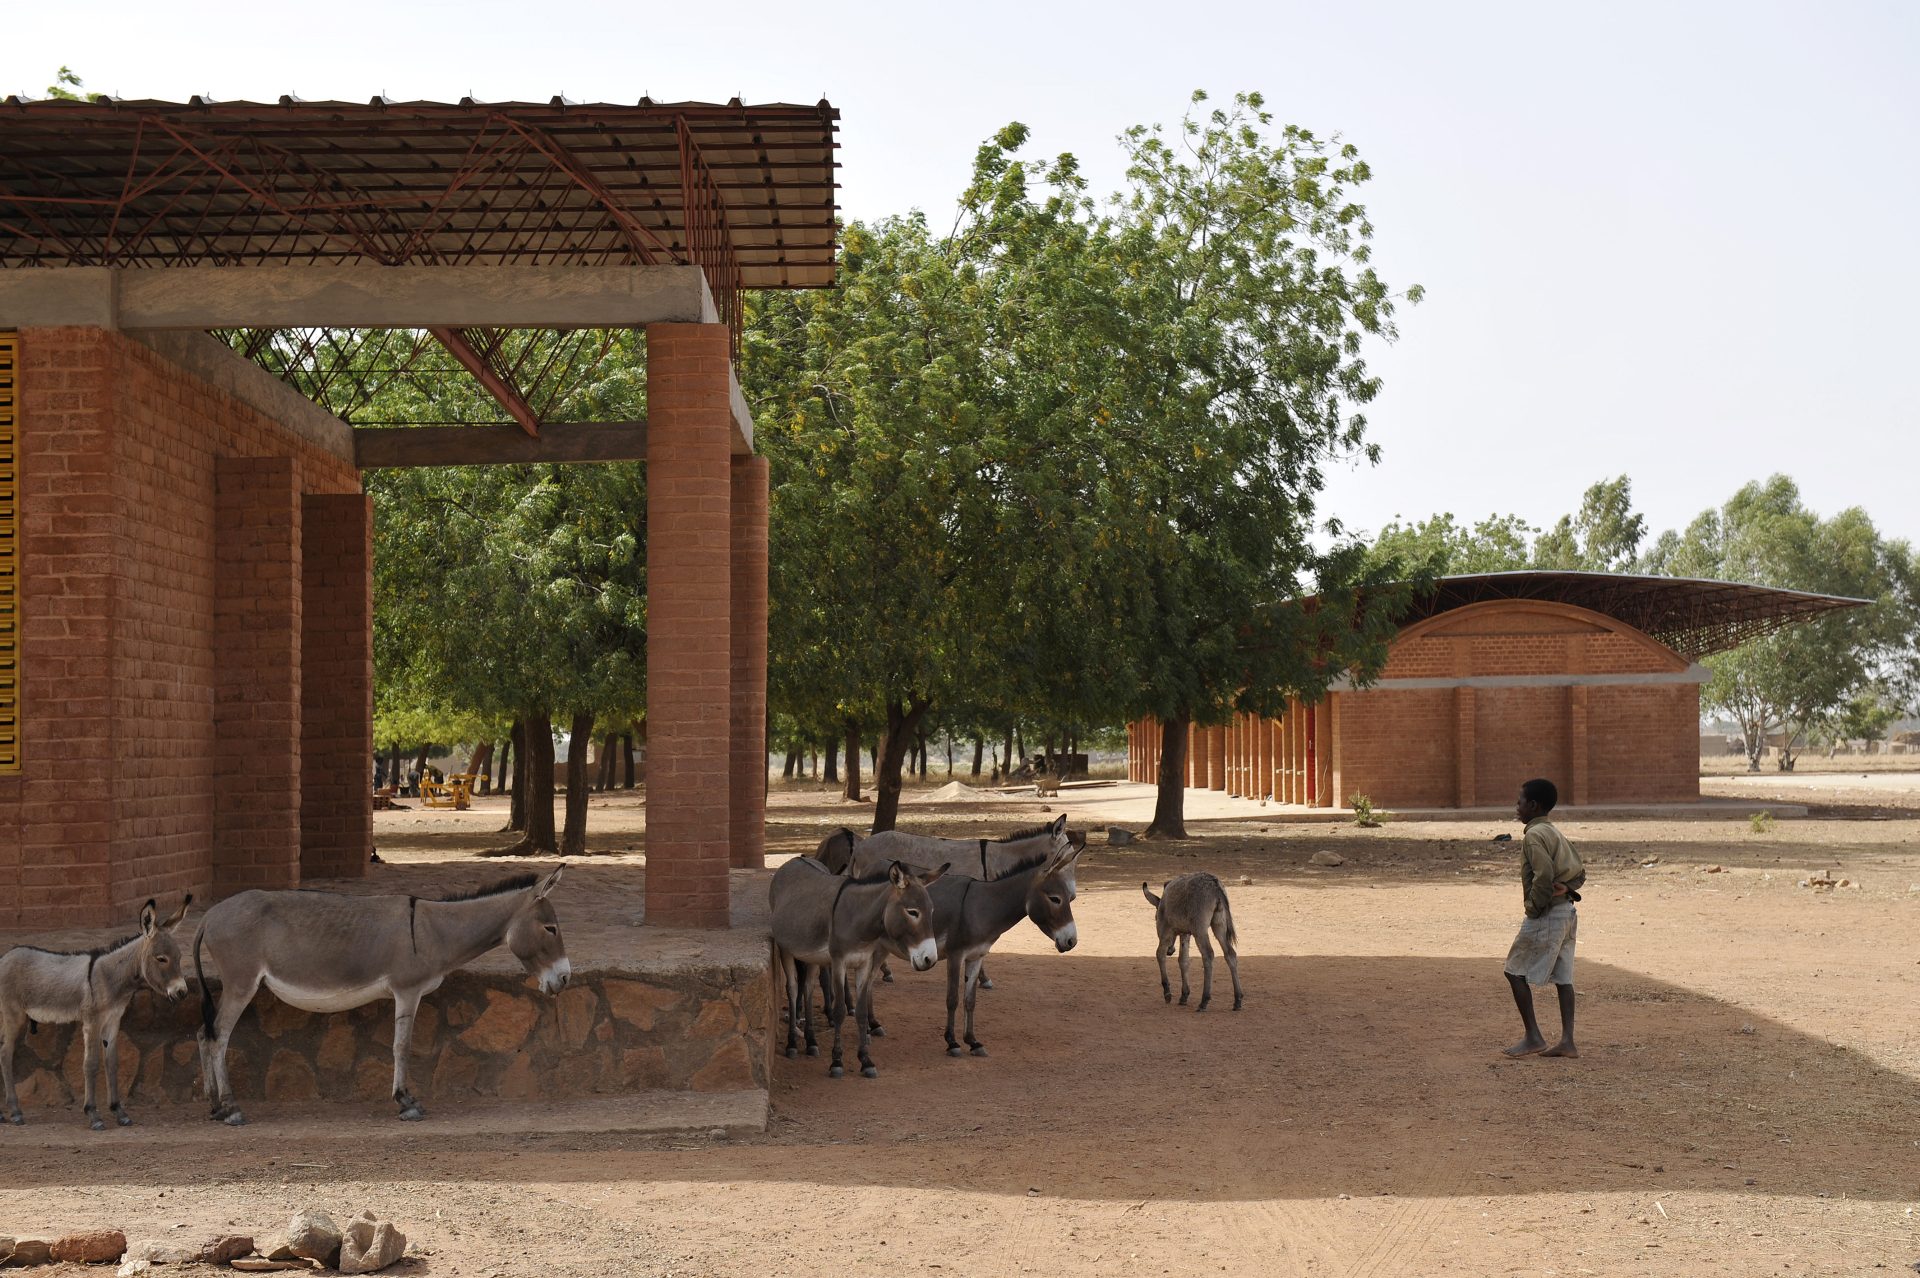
[(1343, 1075)]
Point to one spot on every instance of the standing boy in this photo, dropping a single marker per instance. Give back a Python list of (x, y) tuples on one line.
[(1550, 879)]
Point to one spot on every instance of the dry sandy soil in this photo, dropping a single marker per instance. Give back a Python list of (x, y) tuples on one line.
[(1747, 1100)]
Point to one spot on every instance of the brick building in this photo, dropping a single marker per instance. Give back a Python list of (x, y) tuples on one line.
[(1589, 679), (185, 556)]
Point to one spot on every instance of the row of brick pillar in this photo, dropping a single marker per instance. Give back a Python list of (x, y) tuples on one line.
[(1285, 760)]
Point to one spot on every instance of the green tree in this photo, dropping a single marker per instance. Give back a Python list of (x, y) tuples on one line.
[(66, 86), (1602, 536), (1795, 678), (1244, 294), (1442, 547)]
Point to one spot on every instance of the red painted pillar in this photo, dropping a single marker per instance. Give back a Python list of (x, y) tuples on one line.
[(748, 640), (689, 633)]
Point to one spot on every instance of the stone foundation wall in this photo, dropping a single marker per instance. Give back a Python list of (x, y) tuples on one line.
[(705, 1029)]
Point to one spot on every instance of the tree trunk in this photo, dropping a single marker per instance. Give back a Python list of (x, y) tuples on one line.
[(793, 761), (517, 746), (1006, 755), (832, 776), (478, 765), (1755, 735), (573, 841), (420, 763), (852, 790), (902, 723), (540, 833), (508, 758), (626, 756), (949, 754), (605, 781), (1170, 803), (979, 750)]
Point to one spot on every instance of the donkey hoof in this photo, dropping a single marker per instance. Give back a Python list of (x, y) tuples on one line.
[(868, 1071), (1183, 1000), (123, 1120), (813, 1049), (1167, 995), (875, 1031), (234, 1118), (986, 982), (792, 1052), (953, 1049), (17, 1118), (886, 977), (979, 1049), (1236, 1005), (836, 1071), (97, 1125), (412, 1114)]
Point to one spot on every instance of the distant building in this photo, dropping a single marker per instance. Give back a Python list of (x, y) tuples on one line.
[(1589, 679)]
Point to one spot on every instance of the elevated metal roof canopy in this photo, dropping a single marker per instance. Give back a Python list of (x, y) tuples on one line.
[(744, 193), (1693, 616)]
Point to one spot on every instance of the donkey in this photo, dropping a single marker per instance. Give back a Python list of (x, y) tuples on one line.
[(326, 952), (94, 988), (983, 859), (1193, 904), (969, 915), (836, 923)]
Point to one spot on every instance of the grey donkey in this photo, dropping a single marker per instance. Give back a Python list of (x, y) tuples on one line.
[(327, 952), (1194, 903), (94, 988), (837, 924)]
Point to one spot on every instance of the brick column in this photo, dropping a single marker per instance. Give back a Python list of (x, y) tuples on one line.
[(1217, 758), (56, 819), (1324, 739), (689, 646), (748, 642), (336, 685), (1465, 791), (256, 702), (1336, 752), (1577, 744)]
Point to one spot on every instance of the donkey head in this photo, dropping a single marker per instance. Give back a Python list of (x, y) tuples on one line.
[(1050, 898), (160, 964), (534, 937), (908, 914)]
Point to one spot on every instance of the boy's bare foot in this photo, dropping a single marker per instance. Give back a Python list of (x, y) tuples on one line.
[(1525, 1047), (1563, 1048)]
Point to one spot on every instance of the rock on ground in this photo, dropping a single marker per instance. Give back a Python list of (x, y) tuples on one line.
[(311, 1235), (218, 1251), (93, 1247), (1327, 858), (370, 1244), (158, 1251), (31, 1251)]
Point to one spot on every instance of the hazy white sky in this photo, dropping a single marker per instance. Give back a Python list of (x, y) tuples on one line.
[(1675, 240)]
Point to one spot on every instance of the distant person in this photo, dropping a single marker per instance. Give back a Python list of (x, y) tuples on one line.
[(1550, 879)]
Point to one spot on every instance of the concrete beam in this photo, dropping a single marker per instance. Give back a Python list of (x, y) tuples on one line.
[(742, 416), (1695, 674), (376, 449), (214, 362), (203, 297)]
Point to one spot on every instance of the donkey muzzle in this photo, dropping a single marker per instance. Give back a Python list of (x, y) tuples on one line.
[(1067, 937), (556, 977)]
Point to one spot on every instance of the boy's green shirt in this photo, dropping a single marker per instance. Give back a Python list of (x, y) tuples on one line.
[(1546, 858)]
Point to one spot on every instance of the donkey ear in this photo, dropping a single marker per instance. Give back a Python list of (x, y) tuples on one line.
[(547, 884), (928, 880), (173, 920), (896, 874), (149, 915), (1059, 823)]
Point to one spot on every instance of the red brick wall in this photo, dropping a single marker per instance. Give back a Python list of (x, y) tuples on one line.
[(255, 647), (689, 605), (748, 639), (1643, 743), (116, 800), (1397, 748), (336, 688)]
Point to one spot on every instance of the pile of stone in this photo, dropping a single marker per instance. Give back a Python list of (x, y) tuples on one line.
[(310, 1242)]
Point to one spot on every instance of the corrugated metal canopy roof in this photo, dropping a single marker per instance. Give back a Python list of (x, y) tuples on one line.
[(144, 183), (1693, 616)]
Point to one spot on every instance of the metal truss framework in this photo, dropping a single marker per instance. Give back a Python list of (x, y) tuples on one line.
[(745, 193), (1693, 617)]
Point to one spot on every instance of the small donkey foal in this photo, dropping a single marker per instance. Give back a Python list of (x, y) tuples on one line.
[(1193, 904), (94, 988)]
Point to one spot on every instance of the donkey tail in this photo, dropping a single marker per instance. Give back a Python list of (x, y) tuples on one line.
[(1152, 900), (200, 974), (1224, 917)]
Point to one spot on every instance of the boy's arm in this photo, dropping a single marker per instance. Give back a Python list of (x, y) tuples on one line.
[(1540, 883)]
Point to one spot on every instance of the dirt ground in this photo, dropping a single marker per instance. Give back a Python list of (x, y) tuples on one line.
[(1747, 1100)]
